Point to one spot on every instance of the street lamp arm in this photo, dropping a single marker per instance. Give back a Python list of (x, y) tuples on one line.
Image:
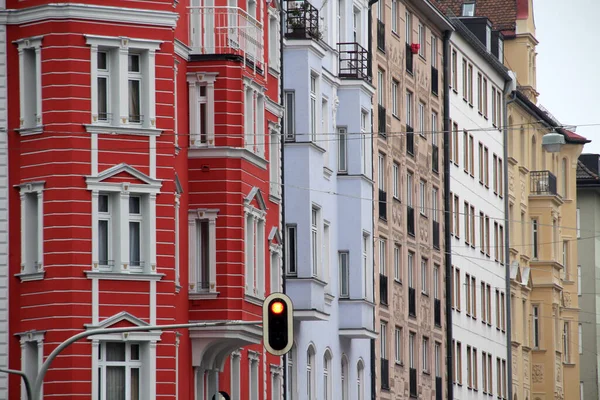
[(46, 365), (23, 375)]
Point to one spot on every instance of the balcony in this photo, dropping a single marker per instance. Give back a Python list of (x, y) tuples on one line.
[(358, 319), (434, 80), (410, 220), (226, 30), (308, 296), (382, 204), (383, 289), (413, 382), (302, 21), (380, 35), (542, 183), (437, 312), (436, 234), (410, 140), (385, 373), (435, 158), (412, 302), (381, 120), (354, 61), (408, 55), (439, 391)]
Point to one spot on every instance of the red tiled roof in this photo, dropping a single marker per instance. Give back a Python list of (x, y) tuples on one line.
[(575, 138), (502, 13)]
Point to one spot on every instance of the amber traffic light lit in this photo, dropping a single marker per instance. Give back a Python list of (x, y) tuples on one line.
[(277, 307)]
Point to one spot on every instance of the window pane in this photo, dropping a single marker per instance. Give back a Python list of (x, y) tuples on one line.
[(102, 60), (103, 203), (134, 101), (135, 352), (115, 383), (135, 384), (203, 117), (134, 243), (103, 242), (134, 63), (115, 351), (102, 98), (134, 205)]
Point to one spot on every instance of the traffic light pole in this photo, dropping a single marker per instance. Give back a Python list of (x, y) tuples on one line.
[(34, 393)]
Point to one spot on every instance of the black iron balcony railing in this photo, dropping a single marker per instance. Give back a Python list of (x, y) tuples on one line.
[(434, 80), (383, 289), (437, 312), (385, 373), (302, 20), (410, 220), (382, 204), (439, 392), (435, 158), (354, 61), (409, 58), (542, 183), (436, 234), (381, 35), (410, 140), (412, 302), (381, 121), (413, 382)]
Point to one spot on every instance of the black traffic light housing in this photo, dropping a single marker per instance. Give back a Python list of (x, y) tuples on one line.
[(278, 324)]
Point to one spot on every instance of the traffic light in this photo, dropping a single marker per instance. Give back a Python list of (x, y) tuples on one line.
[(278, 324)]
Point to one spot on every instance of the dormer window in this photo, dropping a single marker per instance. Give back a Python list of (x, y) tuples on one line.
[(488, 38), (501, 50), (468, 9)]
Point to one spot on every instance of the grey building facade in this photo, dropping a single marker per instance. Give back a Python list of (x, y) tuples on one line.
[(588, 273)]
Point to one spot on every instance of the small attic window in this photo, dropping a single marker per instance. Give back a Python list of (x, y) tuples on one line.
[(468, 9)]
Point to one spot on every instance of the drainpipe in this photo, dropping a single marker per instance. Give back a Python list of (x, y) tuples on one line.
[(282, 190), (507, 91), (447, 216), (370, 75)]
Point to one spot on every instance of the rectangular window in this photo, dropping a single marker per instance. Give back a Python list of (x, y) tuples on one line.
[(396, 180), (409, 189), (134, 77), (408, 27), (494, 112), (422, 40), (411, 350), (395, 16), (408, 105), (314, 240), (469, 368), (534, 238), (465, 83), (454, 70), (565, 260), (471, 155), (344, 266), (30, 82), (566, 343), (500, 178), (434, 51), (313, 107), (481, 160), (479, 92), (382, 256), (495, 174), (578, 222), (410, 261), (459, 362), (423, 197), (470, 78), (485, 98), (342, 150), (580, 337), (456, 217), (255, 253), (103, 66), (381, 172), (275, 163), (395, 89), (397, 262), (398, 342), (424, 280), (468, 293), (381, 91), (434, 204), (120, 362), (273, 42), (290, 115), (32, 230), (383, 340), (425, 353), (536, 326), (421, 117), (455, 142), (434, 129), (436, 281), (291, 255)]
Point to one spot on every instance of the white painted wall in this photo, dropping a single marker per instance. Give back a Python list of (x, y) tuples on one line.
[(471, 261), (3, 215)]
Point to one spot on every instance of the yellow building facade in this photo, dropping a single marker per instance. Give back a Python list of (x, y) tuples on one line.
[(543, 237)]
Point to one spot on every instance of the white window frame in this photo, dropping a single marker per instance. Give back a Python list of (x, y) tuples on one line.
[(409, 108), (421, 117), (395, 87), (396, 180), (276, 254), (291, 256), (310, 373), (394, 16), (383, 256), (422, 43), (342, 149), (424, 273), (195, 217), (254, 251), (313, 117), (199, 83), (381, 172), (408, 27), (254, 117), (327, 376), (274, 27), (290, 115), (120, 48), (315, 240), (423, 197), (32, 231), (274, 162), (535, 329), (409, 189), (580, 336), (398, 344), (398, 262), (383, 341), (434, 54), (128, 363), (30, 84), (344, 274), (425, 354)]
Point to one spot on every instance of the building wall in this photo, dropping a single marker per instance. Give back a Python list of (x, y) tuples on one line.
[(393, 241), (553, 291), (477, 195), (4, 274), (333, 317), (588, 203)]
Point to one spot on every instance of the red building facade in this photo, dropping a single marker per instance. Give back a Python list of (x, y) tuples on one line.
[(144, 189)]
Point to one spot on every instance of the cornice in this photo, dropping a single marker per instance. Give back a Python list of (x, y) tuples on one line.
[(88, 12)]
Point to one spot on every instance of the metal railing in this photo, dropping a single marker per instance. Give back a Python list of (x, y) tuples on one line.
[(410, 220), (383, 289), (542, 183), (382, 204), (354, 61), (410, 140), (408, 55), (226, 30), (302, 20), (385, 373), (380, 35)]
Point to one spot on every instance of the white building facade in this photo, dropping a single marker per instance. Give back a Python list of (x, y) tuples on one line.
[(479, 316), (328, 199)]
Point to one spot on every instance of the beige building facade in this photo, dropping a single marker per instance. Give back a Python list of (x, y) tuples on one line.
[(409, 234)]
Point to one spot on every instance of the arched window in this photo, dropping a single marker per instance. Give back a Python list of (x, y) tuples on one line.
[(310, 372), (291, 374), (533, 154), (344, 377), (360, 378), (327, 375), (563, 178)]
